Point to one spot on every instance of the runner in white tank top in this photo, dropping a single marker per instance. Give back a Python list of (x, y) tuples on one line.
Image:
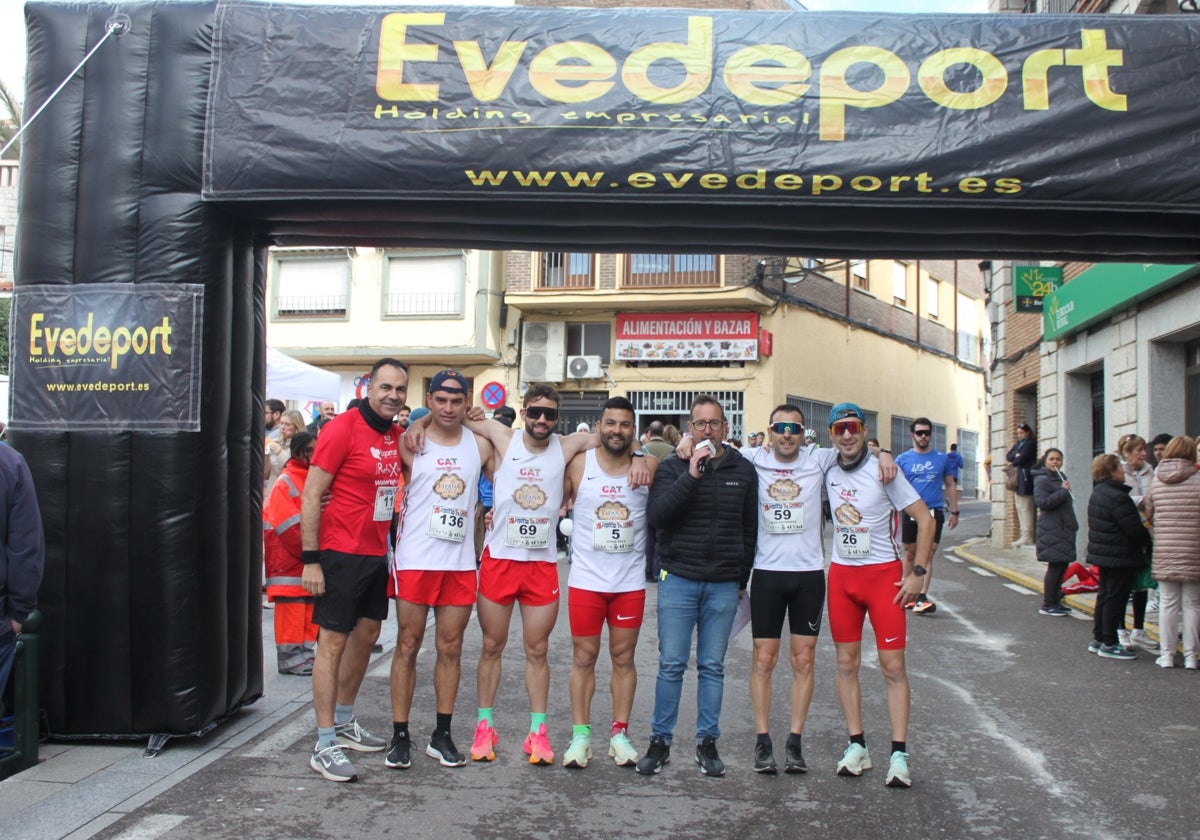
[(528, 491), (608, 546), (439, 508), (435, 562), (607, 582), (519, 563)]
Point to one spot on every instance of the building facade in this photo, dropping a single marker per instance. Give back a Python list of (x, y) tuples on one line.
[(1114, 350), (902, 339)]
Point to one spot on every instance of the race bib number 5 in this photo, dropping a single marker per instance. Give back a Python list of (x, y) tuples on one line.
[(613, 537), (527, 532)]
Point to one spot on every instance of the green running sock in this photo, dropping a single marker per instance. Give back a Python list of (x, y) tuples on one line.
[(486, 714), (536, 719), (584, 729)]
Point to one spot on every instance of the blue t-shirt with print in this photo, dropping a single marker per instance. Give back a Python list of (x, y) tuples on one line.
[(927, 472)]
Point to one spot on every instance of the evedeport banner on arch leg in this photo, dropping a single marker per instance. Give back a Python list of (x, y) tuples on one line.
[(107, 357), (629, 105)]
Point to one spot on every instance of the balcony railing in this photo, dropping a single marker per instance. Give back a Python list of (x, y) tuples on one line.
[(311, 305), (425, 303), (672, 271), (561, 270), (1051, 7)]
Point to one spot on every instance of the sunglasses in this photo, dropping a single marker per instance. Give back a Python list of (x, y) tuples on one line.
[(922, 433), (853, 426), (537, 412), (787, 428)]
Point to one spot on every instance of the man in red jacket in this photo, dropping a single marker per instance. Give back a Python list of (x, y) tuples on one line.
[(295, 633)]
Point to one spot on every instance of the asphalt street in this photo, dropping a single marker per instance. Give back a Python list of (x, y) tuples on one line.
[(1016, 731)]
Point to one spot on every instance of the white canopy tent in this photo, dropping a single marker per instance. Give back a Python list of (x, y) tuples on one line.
[(292, 379)]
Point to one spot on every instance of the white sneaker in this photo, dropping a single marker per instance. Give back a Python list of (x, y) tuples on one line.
[(579, 753), (855, 760), (1191, 662), (621, 750), (1123, 638), (1140, 639), (1165, 660), (897, 774)]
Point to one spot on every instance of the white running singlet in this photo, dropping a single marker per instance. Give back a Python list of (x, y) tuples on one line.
[(437, 529), (862, 513), (528, 493), (608, 545)]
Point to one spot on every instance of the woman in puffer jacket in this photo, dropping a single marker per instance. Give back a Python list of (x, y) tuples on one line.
[(1173, 505), (1118, 543), (1056, 528)]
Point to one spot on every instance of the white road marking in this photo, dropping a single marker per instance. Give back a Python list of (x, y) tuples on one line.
[(155, 825), (981, 572), (1016, 587)]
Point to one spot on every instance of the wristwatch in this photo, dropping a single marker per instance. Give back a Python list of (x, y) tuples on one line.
[(954, 513), (919, 570), (637, 453)]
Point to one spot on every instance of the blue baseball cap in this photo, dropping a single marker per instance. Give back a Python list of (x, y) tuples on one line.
[(453, 377), (843, 410)]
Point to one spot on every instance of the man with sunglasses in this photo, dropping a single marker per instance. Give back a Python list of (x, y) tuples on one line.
[(295, 633), (520, 559), (932, 474), (789, 574), (705, 508), (868, 579)]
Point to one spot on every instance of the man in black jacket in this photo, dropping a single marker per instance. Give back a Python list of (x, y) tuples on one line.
[(22, 553), (705, 510)]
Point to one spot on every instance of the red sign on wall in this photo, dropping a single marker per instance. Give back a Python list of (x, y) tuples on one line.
[(766, 343), (687, 336)]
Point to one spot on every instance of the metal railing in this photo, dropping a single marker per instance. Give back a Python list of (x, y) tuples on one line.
[(672, 271), (563, 270), (311, 305), (425, 303)]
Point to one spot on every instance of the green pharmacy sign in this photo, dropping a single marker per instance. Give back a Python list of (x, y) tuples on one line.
[(1032, 283)]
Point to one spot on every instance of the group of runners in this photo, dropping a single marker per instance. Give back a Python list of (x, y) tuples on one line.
[(350, 502)]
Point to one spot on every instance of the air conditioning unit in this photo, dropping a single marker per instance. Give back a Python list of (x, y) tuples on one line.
[(543, 351), (584, 367)]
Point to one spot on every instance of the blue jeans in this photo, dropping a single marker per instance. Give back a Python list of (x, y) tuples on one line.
[(683, 606)]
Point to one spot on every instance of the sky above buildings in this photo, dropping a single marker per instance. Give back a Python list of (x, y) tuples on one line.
[(12, 24)]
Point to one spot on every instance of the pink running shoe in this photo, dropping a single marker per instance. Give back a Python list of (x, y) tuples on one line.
[(483, 748), (537, 746)]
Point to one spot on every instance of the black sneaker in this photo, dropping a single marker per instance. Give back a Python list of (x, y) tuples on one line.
[(764, 759), (793, 759), (657, 755), (441, 747), (399, 754), (706, 756)]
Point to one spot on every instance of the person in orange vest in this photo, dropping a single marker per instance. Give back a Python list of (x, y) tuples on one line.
[(295, 633)]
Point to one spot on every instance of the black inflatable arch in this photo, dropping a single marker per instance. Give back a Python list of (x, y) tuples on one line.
[(154, 550)]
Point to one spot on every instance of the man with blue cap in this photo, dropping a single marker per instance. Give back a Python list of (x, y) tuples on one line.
[(868, 577)]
